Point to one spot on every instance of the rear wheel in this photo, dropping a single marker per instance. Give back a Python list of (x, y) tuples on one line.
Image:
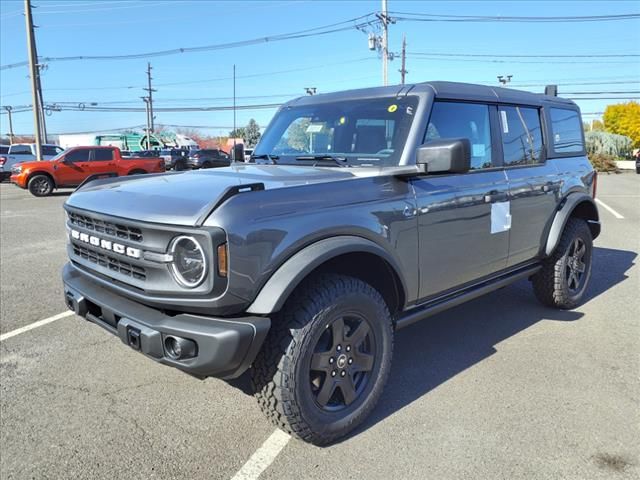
[(564, 276), (40, 185), (326, 359)]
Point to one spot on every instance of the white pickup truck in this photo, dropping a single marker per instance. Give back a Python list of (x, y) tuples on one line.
[(24, 152)]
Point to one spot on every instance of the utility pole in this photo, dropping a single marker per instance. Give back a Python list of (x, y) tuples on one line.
[(150, 92), (8, 109), (146, 108), (234, 109), (385, 42), (403, 70), (41, 112), (33, 71)]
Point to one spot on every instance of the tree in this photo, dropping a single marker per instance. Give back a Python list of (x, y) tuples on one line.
[(237, 133), (624, 119), (603, 143), (251, 134)]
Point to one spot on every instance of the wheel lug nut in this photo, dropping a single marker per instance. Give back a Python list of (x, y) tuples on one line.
[(350, 361), (333, 373), (348, 348), (343, 373), (331, 360), (339, 347)]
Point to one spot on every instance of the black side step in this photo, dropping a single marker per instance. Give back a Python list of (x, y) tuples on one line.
[(441, 304)]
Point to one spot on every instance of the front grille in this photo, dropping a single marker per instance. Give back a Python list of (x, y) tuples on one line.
[(109, 228), (109, 262)]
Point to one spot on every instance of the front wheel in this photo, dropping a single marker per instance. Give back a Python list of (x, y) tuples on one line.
[(40, 185), (324, 364), (563, 279)]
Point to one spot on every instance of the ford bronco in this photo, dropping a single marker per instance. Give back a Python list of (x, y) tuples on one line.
[(362, 212)]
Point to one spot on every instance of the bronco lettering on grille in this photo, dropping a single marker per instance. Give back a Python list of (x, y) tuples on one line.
[(106, 244)]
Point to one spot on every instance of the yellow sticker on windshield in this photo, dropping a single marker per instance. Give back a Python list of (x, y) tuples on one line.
[(392, 108)]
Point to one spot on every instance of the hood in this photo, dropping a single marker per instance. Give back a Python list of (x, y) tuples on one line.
[(188, 198)]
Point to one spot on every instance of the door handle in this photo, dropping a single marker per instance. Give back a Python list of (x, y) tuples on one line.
[(495, 196)]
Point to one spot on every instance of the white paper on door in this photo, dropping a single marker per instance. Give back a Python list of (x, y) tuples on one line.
[(500, 217)]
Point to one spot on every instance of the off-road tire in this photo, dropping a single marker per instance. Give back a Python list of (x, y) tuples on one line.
[(40, 185), (550, 284), (280, 373)]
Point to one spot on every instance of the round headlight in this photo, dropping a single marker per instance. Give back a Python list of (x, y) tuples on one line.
[(189, 265)]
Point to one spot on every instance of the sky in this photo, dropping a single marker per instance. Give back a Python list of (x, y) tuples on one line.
[(271, 72)]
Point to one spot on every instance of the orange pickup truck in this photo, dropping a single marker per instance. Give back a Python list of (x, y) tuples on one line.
[(73, 166)]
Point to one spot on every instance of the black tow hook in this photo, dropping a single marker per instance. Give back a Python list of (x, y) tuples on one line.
[(133, 338)]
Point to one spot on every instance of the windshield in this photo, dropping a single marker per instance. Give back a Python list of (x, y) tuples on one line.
[(369, 132), (59, 155)]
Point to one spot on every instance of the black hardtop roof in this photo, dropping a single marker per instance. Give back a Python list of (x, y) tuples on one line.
[(442, 90)]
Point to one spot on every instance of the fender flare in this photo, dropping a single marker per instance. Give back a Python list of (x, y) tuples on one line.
[(567, 207), (288, 276)]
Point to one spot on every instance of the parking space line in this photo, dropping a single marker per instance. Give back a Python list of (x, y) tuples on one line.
[(263, 457), (609, 209), (33, 325)]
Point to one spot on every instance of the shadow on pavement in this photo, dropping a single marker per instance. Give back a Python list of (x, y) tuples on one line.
[(433, 351)]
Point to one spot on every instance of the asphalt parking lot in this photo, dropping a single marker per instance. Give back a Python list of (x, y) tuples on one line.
[(499, 388)]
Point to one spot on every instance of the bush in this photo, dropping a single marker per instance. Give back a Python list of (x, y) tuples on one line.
[(607, 144), (603, 163)]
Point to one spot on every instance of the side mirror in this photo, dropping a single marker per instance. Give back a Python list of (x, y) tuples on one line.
[(451, 155), (237, 153)]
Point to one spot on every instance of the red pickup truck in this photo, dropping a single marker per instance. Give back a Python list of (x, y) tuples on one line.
[(73, 166)]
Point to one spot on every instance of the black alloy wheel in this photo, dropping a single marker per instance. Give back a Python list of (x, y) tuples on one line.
[(40, 185), (342, 361), (575, 266)]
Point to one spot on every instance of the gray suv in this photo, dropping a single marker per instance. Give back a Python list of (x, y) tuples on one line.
[(363, 212)]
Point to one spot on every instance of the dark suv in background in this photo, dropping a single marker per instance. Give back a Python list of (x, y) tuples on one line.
[(369, 210), (208, 158)]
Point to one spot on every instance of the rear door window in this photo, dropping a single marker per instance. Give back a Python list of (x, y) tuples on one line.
[(521, 135), (78, 155), (102, 155), (566, 129), (51, 150), (463, 120)]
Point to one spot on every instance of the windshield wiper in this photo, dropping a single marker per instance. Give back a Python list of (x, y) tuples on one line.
[(265, 156), (319, 158)]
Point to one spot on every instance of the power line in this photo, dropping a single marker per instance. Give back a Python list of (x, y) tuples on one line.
[(539, 55), (510, 61), (424, 17), (353, 23)]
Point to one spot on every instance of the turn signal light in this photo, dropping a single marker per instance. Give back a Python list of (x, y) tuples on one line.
[(223, 264), (3, 160)]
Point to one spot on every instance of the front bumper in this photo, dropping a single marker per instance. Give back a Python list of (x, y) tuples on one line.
[(226, 347), (19, 179)]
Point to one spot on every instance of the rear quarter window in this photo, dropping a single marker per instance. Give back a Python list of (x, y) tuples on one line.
[(566, 131)]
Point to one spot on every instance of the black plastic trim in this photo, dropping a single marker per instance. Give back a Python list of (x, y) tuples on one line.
[(226, 346)]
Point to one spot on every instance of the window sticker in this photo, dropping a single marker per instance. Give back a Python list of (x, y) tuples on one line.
[(500, 217), (478, 149), (315, 127), (392, 108), (505, 124)]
